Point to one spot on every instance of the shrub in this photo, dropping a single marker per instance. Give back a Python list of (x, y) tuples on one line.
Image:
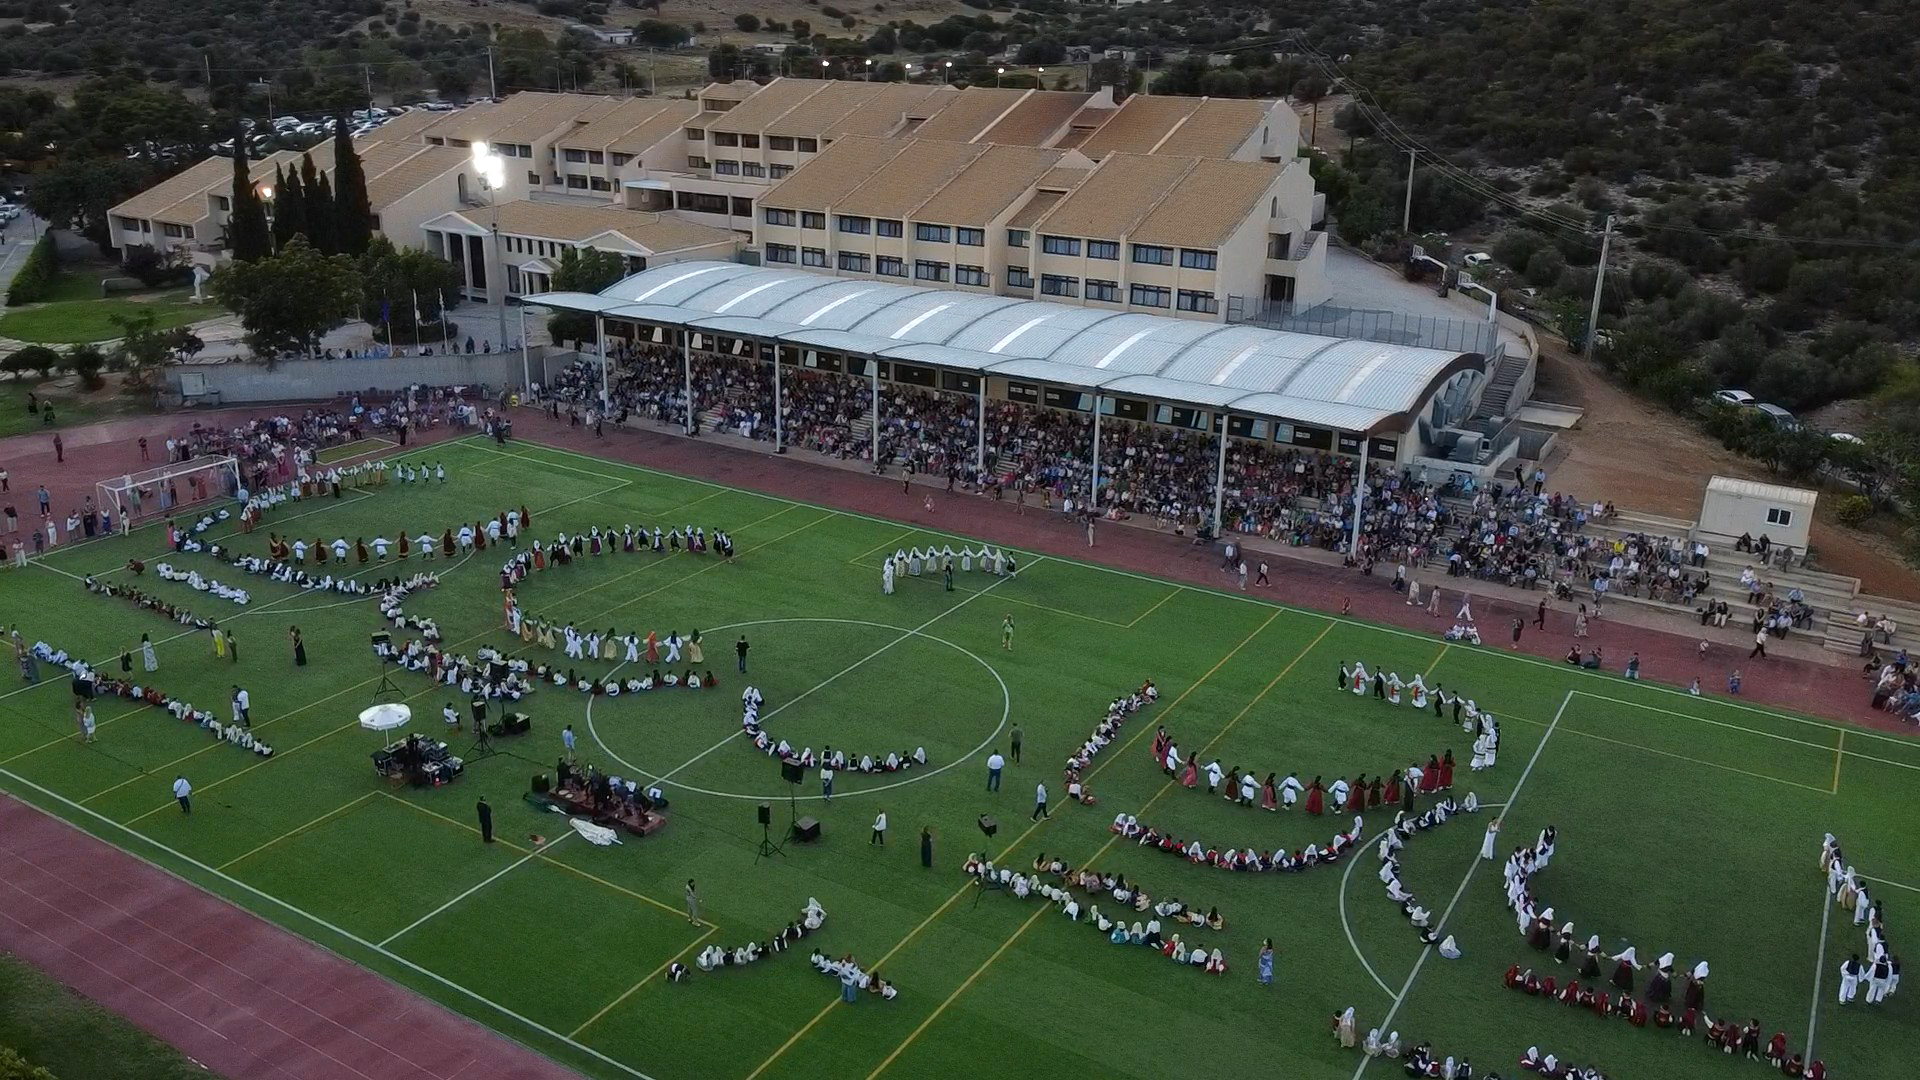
[(35, 277), (86, 361), (15, 1067), (152, 268), (1853, 510)]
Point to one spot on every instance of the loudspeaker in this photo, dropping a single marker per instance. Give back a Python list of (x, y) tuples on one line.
[(792, 772), (766, 814), (988, 826), (539, 783), (806, 830)]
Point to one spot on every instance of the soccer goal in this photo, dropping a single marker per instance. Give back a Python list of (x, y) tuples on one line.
[(141, 496)]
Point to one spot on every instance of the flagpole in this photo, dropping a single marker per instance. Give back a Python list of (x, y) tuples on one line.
[(416, 322)]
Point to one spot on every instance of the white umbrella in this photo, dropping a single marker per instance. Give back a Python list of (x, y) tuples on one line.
[(385, 717)]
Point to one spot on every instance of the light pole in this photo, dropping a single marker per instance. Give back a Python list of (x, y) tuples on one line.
[(265, 191), (998, 74), (869, 69), (492, 169), (823, 69)]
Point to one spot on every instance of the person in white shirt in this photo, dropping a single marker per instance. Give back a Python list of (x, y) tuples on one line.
[(242, 702), (995, 763), (879, 829), (183, 792), (1039, 803)]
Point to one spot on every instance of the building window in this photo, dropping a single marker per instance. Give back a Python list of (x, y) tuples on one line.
[(780, 253), (575, 156), (596, 157), (812, 219), (970, 275), (127, 224), (1778, 516), (779, 142), (779, 217), (929, 271), (1199, 260), (970, 237), (222, 202), (1103, 249), (858, 225), (740, 206), (1017, 238), (727, 168), (725, 138), (1055, 285), (887, 227), (779, 172), (814, 257), (1150, 296), (751, 142), (599, 183), (1018, 278), (524, 150), (753, 168), (1060, 245), (1103, 290), (578, 183), (621, 159), (170, 229), (890, 266), (696, 134), (1152, 255), (808, 146), (854, 262), (939, 234), (1203, 302), (533, 178)]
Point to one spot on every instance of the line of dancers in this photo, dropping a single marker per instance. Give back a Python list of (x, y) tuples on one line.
[(1393, 842), (829, 758), (1104, 733), (713, 957), (1022, 886), (1473, 720), (1247, 858), (236, 733), (1879, 974)]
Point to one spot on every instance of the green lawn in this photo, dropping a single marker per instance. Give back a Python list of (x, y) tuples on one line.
[(16, 420), (75, 311), (76, 1039), (1689, 825)]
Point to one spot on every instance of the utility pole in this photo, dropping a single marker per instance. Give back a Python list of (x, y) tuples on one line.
[(1406, 215), (652, 60), (1599, 280), (206, 60), (492, 89), (366, 70)]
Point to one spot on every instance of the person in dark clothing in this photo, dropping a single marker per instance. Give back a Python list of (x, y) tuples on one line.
[(485, 814), (740, 650), (1017, 735), (926, 847)]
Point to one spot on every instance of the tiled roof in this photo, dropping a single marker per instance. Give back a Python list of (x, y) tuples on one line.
[(1214, 198), (921, 168), (1217, 128), (832, 173), (773, 101), (400, 179), (966, 119), (1116, 197), (573, 224), (1139, 125), (195, 180), (1036, 208), (1034, 120), (993, 181), (628, 116), (888, 112)]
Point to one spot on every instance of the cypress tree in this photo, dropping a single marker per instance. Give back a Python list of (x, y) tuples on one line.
[(247, 235), (320, 219), (290, 209), (352, 212)]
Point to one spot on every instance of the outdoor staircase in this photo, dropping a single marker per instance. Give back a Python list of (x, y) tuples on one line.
[(1498, 396)]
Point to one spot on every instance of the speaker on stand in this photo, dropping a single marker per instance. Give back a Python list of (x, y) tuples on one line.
[(767, 847)]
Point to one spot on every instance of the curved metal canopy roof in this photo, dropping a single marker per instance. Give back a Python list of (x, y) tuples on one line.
[(1340, 383)]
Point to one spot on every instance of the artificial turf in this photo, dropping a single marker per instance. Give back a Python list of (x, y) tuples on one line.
[(1689, 825)]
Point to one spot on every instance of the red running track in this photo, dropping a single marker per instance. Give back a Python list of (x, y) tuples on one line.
[(230, 990)]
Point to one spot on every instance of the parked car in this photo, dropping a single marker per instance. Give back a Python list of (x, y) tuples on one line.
[(1780, 417), (1739, 399), (1846, 437), (1477, 258)]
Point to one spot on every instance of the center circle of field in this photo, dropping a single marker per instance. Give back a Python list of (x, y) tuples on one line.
[(666, 779)]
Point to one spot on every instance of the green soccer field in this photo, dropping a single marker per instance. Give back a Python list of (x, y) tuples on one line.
[(1685, 825)]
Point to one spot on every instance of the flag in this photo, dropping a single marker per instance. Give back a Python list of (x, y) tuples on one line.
[(418, 317), (386, 315)]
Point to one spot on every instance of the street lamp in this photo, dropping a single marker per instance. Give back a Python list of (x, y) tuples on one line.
[(265, 191), (948, 74), (998, 74), (823, 69), (492, 170)]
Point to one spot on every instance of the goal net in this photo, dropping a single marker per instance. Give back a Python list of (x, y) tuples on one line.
[(151, 494)]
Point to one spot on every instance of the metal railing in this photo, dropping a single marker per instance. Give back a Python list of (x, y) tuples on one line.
[(1366, 324)]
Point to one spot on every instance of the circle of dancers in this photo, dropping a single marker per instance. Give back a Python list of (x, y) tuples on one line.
[(912, 562)]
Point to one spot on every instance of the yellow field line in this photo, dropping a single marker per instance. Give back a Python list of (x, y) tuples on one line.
[(1137, 619), (1839, 755), (1118, 751), (544, 857), (857, 559), (1098, 855), (652, 975), (298, 829), (1444, 649)]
